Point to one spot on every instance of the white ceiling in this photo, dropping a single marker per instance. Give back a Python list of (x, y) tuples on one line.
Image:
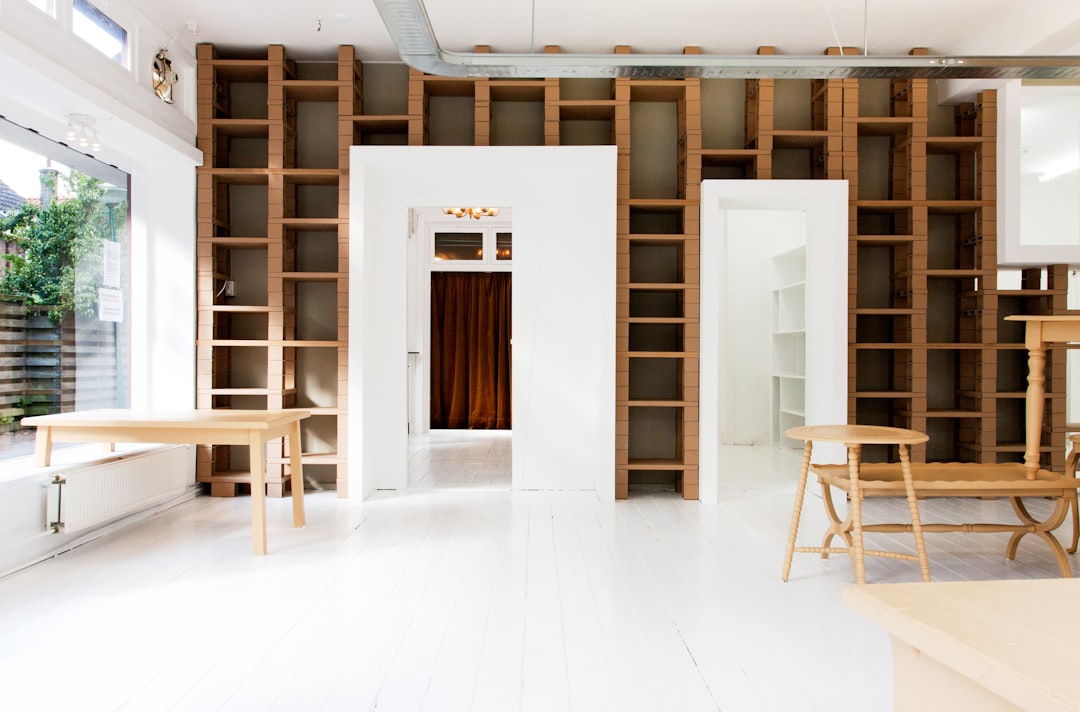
[(313, 28)]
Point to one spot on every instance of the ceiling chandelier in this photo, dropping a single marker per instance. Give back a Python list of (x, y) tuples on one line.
[(474, 213)]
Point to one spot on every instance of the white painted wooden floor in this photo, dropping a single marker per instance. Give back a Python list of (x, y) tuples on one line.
[(460, 594)]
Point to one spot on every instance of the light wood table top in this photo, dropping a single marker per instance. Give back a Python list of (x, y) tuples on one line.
[(857, 434), (253, 428), (979, 645)]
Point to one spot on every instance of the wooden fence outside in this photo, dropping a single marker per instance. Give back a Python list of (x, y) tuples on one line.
[(46, 368)]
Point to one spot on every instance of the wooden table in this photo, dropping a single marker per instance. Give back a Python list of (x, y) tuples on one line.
[(854, 437), (253, 428), (1039, 333), (978, 645)]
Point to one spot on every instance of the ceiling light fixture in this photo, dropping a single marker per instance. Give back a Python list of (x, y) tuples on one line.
[(474, 213), (82, 131), (410, 29)]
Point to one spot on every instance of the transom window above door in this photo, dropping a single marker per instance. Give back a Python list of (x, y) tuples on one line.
[(476, 246)]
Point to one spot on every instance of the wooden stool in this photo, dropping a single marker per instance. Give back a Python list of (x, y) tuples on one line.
[(854, 437)]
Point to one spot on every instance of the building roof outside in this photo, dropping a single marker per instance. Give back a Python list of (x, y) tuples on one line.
[(9, 199)]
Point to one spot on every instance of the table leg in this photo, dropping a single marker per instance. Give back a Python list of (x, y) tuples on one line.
[(858, 563), (43, 446), (258, 493), (800, 490), (1035, 400), (297, 475), (913, 508), (1070, 472)]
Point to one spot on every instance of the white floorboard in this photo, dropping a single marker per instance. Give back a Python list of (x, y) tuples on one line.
[(462, 594)]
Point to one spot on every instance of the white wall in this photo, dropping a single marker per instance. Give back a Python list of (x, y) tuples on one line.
[(564, 205), (826, 209)]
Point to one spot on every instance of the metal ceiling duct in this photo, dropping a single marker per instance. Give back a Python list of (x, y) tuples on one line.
[(410, 30)]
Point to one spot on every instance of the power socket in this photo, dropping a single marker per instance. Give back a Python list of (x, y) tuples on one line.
[(230, 288)]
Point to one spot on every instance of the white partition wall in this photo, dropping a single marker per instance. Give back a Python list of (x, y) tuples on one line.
[(563, 201), (738, 222)]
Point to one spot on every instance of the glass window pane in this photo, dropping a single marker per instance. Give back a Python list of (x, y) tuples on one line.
[(100, 30), (503, 245), (45, 6), (64, 331), (459, 246)]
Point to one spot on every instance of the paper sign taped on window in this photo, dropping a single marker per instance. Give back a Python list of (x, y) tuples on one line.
[(110, 304), (110, 264)]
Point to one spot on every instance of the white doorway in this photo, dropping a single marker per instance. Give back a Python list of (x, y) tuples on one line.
[(564, 207), (726, 309)]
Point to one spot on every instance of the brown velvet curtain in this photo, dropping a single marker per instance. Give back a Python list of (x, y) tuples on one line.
[(470, 350)]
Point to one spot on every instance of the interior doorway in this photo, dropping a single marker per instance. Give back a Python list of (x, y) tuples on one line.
[(461, 304), (470, 350)]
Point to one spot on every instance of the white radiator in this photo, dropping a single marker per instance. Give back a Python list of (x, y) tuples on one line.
[(88, 495)]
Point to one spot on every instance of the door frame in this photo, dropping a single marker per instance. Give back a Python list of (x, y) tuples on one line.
[(427, 221)]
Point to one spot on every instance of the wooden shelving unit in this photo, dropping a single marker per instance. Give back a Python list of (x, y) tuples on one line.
[(929, 347), (658, 280), (273, 203)]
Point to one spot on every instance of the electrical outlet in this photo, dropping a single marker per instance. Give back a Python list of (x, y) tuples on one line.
[(230, 288)]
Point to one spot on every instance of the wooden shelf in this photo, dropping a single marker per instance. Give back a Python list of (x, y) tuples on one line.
[(293, 161), (661, 465), (382, 122), (890, 241), (312, 89), (250, 243), (239, 128), (658, 354), (800, 139), (237, 176), (586, 110)]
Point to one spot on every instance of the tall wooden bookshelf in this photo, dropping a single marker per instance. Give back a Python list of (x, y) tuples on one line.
[(273, 224), (929, 347)]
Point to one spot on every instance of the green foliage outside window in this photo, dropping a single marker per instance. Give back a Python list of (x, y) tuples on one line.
[(59, 258)]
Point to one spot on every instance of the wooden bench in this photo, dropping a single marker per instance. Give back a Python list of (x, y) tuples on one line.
[(1013, 480), (957, 479)]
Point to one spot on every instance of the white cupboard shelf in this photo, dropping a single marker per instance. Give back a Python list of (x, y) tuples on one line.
[(788, 355)]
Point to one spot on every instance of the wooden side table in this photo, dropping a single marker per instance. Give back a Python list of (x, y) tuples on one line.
[(853, 438)]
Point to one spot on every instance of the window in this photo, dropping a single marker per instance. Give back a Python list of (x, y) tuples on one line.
[(46, 6), (478, 246), (454, 246), (63, 283), (503, 245), (100, 30)]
